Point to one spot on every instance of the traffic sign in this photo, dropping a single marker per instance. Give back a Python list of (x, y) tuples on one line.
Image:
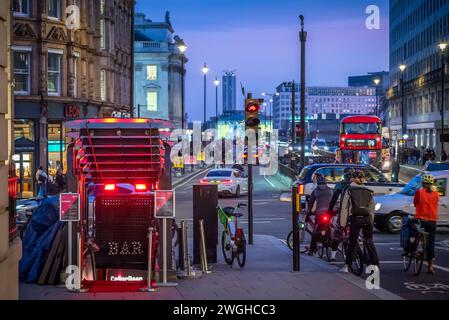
[(164, 203), (69, 207)]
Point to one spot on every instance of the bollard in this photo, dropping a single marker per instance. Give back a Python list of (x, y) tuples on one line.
[(204, 266), (164, 282), (187, 272), (79, 260), (296, 208), (149, 288)]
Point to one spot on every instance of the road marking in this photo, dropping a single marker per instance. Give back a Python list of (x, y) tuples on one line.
[(191, 178), (411, 168), (265, 177)]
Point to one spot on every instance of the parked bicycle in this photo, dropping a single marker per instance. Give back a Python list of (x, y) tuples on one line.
[(233, 242), (415, 246)]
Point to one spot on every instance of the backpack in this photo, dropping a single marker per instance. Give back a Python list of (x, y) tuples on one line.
[(361, 198), (42, 178), (410, 234)]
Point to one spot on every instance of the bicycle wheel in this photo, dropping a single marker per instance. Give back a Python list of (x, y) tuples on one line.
[(407, 260), (356, 265), (290, 240), (226, 248), (328, 253), (418, 262), (241, 254), (320, 250)]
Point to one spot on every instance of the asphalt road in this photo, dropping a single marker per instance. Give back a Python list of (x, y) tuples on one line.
[(273, 217)]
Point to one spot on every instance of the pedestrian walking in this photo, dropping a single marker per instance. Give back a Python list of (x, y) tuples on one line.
[(443, 155), (395, 168), (60, 181), (41, 178)]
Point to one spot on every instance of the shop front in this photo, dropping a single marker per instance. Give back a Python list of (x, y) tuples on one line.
[(39, 143)]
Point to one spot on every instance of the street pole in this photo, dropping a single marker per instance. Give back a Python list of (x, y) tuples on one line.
[(216, 105), (132, 60), (138, 110), (182, 92), (292, 133), (296, 247), (250, 187), (442, 102), (303, 39), (402, 119), (377, 103)]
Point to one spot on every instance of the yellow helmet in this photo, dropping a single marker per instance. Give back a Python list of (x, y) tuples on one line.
[(428, 178)]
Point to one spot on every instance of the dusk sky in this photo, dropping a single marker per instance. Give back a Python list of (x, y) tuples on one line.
[(259, 39)]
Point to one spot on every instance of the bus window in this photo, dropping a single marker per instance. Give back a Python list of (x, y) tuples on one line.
[(361, 128)]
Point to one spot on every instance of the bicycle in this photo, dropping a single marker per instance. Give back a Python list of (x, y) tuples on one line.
[(233, 242), (360, 256), (303, 228), (418, 254)]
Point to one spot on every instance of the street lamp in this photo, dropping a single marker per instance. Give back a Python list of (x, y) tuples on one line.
[(216, 83), (376, 82), (205, 70), (182, 48), (403, 129), (442, 46)]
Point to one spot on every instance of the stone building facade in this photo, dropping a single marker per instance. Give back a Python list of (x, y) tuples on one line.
[(65, 71), (10, 246)]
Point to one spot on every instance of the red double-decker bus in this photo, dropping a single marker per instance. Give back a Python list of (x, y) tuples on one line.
[(361, 140), (361, 133)]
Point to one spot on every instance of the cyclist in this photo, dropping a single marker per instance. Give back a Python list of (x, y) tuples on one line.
[(357, 209), (318, 204), (426, 204), (339, 192)]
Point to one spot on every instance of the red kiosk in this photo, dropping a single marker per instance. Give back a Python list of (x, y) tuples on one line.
[(116, 163)]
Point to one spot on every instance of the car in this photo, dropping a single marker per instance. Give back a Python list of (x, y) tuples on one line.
[(229, 181), (436, 165), (390, 209), (376, 180), (319, 144)]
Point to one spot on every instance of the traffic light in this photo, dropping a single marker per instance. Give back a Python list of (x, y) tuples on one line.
[(252, 107)]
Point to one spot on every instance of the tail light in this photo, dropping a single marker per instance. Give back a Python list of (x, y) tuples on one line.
[(203, 181), (141, 187), (156, 187), (325, 218), (228, 181), (109, 187)]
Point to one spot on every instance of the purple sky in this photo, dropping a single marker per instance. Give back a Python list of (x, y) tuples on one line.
[(259, 39)]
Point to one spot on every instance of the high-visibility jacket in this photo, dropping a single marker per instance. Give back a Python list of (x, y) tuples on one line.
[(426, 205)]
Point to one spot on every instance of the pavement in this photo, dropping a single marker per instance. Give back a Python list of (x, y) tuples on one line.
[(266, 276)]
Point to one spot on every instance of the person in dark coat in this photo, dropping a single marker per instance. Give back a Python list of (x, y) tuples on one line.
[(395, 168), (59, 181)]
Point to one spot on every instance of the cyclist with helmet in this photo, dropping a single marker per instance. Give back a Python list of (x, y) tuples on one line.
[(357, 210), (318, 204), (339, 192), (426, 204)]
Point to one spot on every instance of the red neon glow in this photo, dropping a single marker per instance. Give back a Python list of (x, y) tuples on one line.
[(325, 218), (109, 187), (141, 187)]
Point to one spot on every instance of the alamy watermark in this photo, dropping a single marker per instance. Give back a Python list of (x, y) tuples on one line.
[(373, 19), (231, 149)]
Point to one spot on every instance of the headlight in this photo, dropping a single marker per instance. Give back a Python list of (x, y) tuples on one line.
[(377, 206), (326, 148)]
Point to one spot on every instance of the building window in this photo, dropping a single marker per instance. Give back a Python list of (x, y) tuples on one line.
[(22, 72), (75, 75), (102, 37), (103, 85), (102, 6), (21, 7), (54, 73), (151, 101), (151, 72), (54, 9)]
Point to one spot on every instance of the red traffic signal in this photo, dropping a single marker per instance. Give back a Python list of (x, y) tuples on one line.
[(252, 107)]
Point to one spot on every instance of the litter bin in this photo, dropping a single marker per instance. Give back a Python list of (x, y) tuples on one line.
[(205, 201)]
